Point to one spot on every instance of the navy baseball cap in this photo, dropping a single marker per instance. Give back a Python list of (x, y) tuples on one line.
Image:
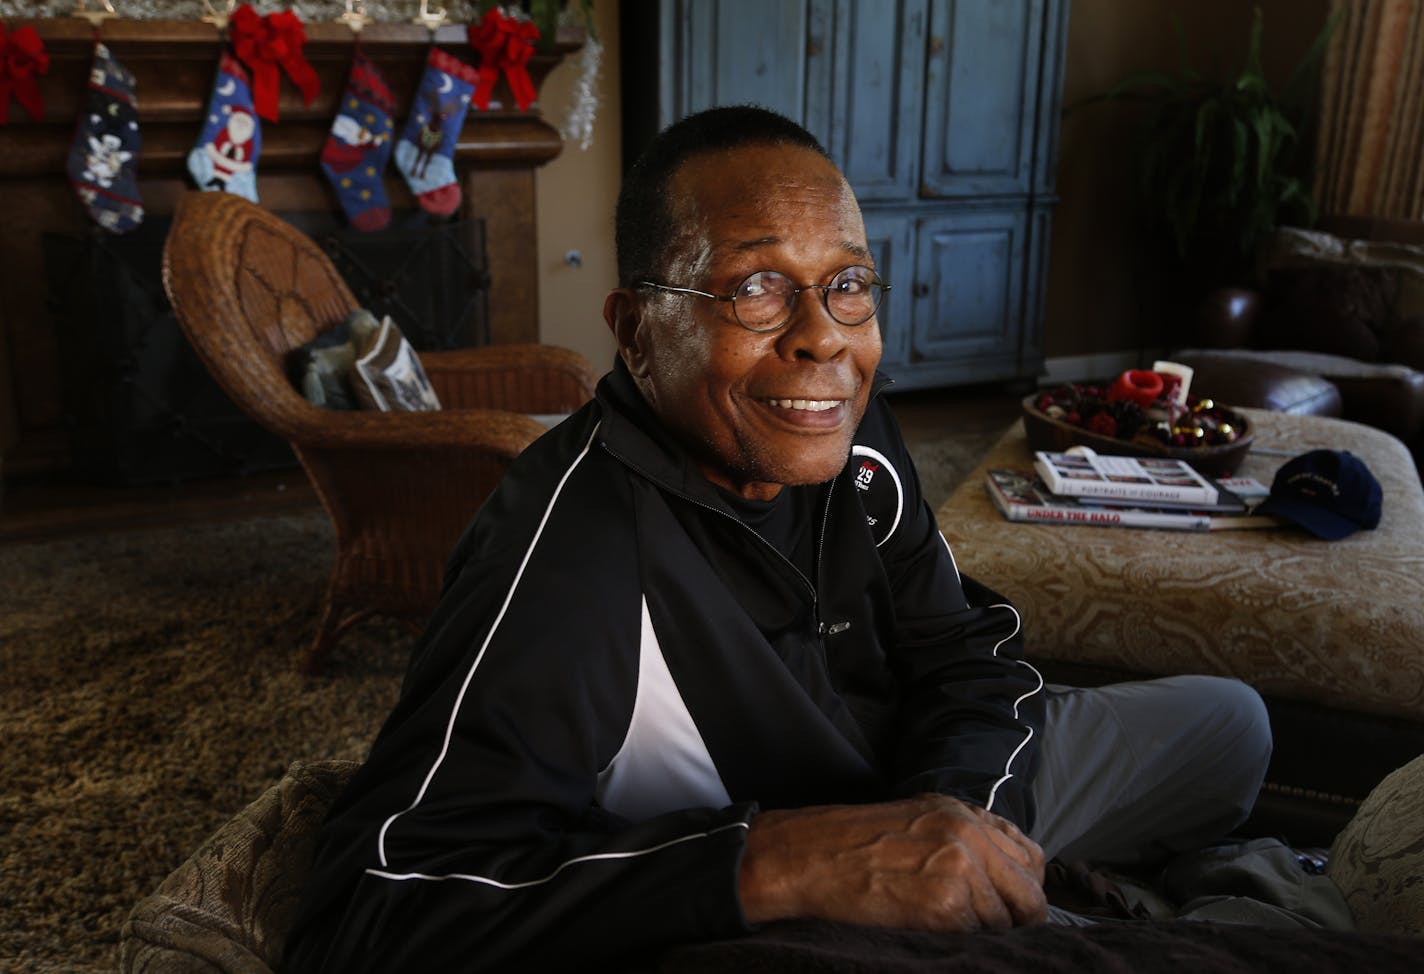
[(1330, 493)]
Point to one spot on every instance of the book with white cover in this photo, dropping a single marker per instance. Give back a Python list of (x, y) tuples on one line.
[(1084, 473)]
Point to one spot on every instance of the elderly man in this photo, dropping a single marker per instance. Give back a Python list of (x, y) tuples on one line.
[(704, 661)]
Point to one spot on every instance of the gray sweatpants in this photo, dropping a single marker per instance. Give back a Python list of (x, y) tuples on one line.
[(1133, 771)]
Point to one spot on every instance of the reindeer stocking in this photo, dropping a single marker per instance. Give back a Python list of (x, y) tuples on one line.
[(425, 152)]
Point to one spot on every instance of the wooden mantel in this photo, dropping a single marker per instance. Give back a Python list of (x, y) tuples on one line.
[(174, 64)]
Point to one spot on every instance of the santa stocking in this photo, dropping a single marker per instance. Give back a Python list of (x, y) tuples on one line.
[(354, 157), (226, 154), (103, 158), (426, 150)]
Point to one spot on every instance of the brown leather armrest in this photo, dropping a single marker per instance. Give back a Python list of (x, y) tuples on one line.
[(1393, 403), (1252, 380)]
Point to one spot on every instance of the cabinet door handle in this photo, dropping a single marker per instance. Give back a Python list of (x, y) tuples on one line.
[(921, 289)]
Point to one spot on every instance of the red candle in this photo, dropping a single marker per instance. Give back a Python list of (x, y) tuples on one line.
[(1141, 386)]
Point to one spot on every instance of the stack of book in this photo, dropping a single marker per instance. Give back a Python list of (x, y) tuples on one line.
[(1088, 488)]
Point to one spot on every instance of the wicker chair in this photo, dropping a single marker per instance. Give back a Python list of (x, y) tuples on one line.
[(248, 288)]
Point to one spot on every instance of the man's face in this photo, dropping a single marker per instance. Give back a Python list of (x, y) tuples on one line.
[(757, 410)]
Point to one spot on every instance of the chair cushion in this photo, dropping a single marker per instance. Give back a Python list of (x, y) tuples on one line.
[(323, 369), (1377, 861), (230, 905)]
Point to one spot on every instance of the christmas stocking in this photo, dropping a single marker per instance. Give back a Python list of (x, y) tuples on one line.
[(354, 157), (226, 154), (103, 158), (426, 150)]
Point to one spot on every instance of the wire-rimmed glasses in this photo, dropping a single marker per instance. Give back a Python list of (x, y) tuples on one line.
[(764, 301)]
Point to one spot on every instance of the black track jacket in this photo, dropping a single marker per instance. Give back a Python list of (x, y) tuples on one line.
[(620, 673)]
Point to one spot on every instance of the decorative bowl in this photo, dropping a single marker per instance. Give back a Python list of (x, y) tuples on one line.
[(1055, 436)]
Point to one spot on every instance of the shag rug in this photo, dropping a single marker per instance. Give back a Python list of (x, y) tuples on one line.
[(147, 693)]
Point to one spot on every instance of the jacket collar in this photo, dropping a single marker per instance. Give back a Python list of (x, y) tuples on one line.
[(633, 433)]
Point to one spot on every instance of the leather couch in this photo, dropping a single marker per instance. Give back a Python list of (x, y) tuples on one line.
[(1336, 329)]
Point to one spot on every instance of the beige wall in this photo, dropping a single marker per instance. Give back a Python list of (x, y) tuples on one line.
[(575, 200), (1097, 301)]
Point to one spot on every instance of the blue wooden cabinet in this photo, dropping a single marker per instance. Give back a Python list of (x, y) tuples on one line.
[(943, 114)]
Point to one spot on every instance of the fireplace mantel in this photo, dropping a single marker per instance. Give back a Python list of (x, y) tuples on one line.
[(174, 63)]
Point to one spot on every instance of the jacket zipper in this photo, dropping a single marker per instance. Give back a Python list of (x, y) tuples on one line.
[(821, 628), (835, 627)]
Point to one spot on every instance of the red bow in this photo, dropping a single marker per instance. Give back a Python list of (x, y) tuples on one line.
[(504, 44), (22, 56), (266, 43)]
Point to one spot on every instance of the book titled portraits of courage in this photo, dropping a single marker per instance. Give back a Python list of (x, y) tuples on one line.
[(1084, 473)]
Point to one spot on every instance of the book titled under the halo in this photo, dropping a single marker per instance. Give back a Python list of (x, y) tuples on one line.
[(1084, 473), (1023, 496)]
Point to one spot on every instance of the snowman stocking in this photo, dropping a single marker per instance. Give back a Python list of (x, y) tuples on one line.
[(355, 154), (103, 158), (225, 157), (426, 150)]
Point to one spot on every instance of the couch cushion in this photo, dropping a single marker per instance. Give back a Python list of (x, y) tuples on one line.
[(1378, 859), (1296, 247), (229, 906), (1335, 309)]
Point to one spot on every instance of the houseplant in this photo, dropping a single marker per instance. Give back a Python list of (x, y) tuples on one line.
[(1221, 162)]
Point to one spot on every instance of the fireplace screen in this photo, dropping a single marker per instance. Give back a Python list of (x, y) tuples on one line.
[(139, 406), (432, 279)]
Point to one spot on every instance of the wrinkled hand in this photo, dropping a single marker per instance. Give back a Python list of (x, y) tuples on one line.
[(930, 862)]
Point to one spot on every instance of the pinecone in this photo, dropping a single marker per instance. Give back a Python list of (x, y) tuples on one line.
[(1129, 416)]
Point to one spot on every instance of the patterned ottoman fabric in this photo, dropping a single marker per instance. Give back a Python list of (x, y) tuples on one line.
[(1334, 623), (1378, 859), (229, 906)]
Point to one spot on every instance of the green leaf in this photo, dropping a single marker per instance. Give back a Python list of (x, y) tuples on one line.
[(1304, 72), (1253, 48), (1241, 151)]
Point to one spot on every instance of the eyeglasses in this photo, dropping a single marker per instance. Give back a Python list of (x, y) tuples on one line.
[(765, 300)]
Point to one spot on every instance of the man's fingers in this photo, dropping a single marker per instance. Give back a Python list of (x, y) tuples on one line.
[(989, 890), (991, 910), (1014, 866), (1023, 896), (1016, 845)]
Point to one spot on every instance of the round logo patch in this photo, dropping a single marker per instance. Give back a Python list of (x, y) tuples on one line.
[(877, 483)]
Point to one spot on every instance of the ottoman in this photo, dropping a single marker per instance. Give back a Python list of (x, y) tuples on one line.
[(1330, 633)]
